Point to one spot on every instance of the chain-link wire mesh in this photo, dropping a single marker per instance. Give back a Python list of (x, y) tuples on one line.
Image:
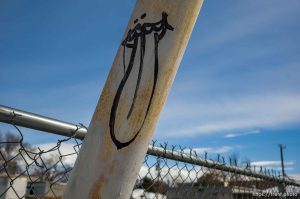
[(178, 172), (31, 171), (167, 172)]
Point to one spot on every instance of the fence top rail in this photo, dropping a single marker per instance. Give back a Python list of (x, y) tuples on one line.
[(42, 123), (194, 159)]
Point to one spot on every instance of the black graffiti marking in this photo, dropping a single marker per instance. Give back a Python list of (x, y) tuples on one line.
[(138, 33)]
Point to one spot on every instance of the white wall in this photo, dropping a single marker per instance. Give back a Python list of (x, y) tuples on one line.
[(19, 185)]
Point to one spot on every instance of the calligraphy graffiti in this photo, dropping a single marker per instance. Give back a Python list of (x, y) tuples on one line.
[(135, 38)]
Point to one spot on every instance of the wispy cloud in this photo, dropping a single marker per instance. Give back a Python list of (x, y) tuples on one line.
[(233, 135), (231, 114), (263, 16), (272, 163), (249, 86)]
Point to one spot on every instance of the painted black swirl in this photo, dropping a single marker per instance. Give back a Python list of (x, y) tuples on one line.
[(134, 36)]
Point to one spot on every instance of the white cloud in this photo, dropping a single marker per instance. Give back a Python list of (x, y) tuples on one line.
[(233, 135), (66, 151), (271, 163), (279, 168), (222, 115), (287, 168)]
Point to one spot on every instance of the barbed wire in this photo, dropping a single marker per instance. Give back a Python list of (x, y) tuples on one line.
[(168, 172)]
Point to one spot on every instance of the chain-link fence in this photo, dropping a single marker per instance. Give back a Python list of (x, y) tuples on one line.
[(42, 171)]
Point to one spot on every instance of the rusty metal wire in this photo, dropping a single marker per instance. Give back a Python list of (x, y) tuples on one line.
[(168, 172)]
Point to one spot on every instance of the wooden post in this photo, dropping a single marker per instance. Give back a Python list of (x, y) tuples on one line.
[(131, 101)]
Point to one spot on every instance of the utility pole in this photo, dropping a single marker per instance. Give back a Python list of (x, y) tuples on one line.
[(282, 187), (281, 156)]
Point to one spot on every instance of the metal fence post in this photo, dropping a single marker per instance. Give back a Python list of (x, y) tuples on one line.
[(131, 101)]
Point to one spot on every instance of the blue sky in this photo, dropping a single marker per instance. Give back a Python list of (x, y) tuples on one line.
[(236, 91)]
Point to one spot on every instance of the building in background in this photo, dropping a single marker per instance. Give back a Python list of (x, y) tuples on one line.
[(13, 188)]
